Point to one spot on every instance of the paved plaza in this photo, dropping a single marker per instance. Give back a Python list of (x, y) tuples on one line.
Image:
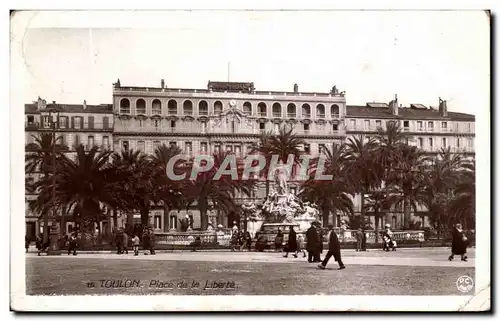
[(404, 272)]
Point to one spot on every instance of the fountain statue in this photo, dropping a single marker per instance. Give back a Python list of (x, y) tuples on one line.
[(283, 206)]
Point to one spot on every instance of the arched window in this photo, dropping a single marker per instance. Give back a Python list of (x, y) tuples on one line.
[(217, 107), (140, 107), (187, 107), (247, 108), (203, 108), (124, 106), (320, 111), (262, 108), (291, 110), (335, 110), (172, 107), (156, 107), (276, 110), (306, 111)]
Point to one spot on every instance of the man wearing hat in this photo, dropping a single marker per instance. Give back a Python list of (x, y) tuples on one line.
[(333, 250), (312, 246)]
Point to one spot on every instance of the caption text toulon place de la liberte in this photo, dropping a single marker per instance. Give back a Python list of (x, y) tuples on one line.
[(159, 284)]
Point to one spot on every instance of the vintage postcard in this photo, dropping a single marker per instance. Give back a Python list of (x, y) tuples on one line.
[(246, 160)]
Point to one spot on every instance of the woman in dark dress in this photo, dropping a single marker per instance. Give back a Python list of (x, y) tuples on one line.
[(458, 243), (292, 243)]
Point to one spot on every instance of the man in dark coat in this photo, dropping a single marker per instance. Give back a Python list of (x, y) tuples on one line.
[(458, 243), (319, 251), (152, 241), (119, 241), (312, 242), (292, 243), (333, 250)]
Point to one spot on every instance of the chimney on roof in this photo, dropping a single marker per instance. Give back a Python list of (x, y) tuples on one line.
[(163, 83), (39, 103), (443, 109), (393, 106), (84, 104), (296, 88)]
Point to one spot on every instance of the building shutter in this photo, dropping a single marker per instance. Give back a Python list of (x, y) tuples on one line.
[(91, 122), (105, 122), (72, 121)]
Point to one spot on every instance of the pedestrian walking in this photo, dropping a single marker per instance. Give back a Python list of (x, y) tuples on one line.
[(125, 242), (458, 243), (359, 240), (319, 251), (312, 239), (135, 244), (278, 241), (72, 244), (26, 243), (247, 241), (291, 245), (300, 244), (235, 238), (152, 242), (333, 250)]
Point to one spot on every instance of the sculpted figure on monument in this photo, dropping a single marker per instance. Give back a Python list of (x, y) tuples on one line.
[(281, 180)]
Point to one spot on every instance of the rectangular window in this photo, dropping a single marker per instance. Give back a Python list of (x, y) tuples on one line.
[(172, 123), (307, 148), (321, 148), (419, 125), (78, 122), (105, 122), (444, 125), (458, 142), (157, 123), (77, 141), (306, 126), (188, 147), (157, 223), (431, 143), (156, 145), (90, 142), (444, 142), (63, 122), (406, 124), (229, 148), (394, 221), (141, 146), (105, 142), (335, 127), (173, 222), (204, 147), (262, 126), (378, 123), (430, 125), (217, 148), (203, 127), (237, 149), (91, 122), (367, 124), (47, 122), (353, 123), (420, 143), (125, 145)]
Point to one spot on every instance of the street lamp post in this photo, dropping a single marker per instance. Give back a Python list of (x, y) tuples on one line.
[(54, 248)]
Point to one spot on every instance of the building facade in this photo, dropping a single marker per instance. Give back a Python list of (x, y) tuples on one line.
[(231, 116), (73, 125)]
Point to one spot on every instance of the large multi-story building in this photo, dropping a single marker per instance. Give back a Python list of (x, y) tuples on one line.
[(74, 125), (232, 115)]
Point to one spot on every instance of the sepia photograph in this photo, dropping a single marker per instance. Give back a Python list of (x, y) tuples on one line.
[(245, 160)]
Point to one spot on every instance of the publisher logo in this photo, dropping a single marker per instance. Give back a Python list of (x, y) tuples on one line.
[(465, 283)]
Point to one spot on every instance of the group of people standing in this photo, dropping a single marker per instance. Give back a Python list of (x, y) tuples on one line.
[(148, 241), (314, 247)]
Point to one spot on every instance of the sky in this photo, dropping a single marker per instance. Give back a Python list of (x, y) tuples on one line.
[(372, 55)]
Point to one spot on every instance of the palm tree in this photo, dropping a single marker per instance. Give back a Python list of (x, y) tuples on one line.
[(284, 144), (86, 184), (169, 191), (330, 195), (41, 158), (389, 143), (463, 205), (362, 167), (206, 190), (139, 192), (405, 178)]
